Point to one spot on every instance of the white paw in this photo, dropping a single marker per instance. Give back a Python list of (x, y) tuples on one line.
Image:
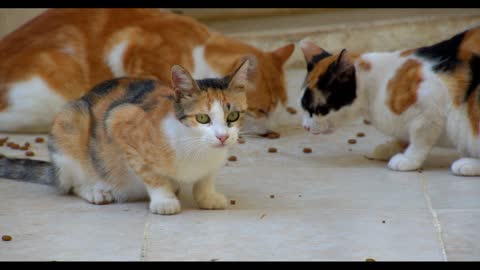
[(165, 206), (400, 162), (466, 167), (212, 201), (97, 195), (386, 151)]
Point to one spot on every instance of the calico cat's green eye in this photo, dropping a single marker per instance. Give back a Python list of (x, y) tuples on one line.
[(202, 118), (233, 116)]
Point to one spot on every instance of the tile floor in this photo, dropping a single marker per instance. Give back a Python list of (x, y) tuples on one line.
[(332, 204)]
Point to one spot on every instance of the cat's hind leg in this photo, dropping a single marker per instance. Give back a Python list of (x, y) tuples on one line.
[(387, 150), (466, 167), (423, 135)]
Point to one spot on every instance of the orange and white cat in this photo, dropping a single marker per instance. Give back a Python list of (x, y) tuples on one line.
[(422, 97), (59, 55), (129, 136)]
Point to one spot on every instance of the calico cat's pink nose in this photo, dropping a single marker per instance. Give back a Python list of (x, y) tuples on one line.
[(222, 138)]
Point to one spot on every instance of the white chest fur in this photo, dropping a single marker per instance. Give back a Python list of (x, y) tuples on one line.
[(193, 159), (201, 68)]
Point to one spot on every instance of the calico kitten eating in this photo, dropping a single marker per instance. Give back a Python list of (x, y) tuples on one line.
[(129, 138), (422, 97), (62, 53)]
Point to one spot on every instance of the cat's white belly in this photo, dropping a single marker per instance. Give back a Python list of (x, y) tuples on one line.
[(201, 166), (460, 133)]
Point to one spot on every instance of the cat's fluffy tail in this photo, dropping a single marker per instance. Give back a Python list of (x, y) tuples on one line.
[(28, 170)]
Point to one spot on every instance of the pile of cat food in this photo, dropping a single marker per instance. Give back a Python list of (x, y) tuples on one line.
[(25, 147)]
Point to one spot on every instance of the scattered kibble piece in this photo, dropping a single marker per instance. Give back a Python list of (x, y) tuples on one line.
[(369, 260), (232, 202), (366, 122), (14, 146), (360, 134), (6, 238), (23, 148), (352, 141), (307, 150), (272, 196), (232, 158), (39, 140), (29, 154), (241, 140), (291, 110), (3, 140), (272, 150), (271, 135)]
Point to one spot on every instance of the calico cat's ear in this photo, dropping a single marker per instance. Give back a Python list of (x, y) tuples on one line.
[(182, 82), (243, 77), (309, 49), (344, 64), (282, 54)]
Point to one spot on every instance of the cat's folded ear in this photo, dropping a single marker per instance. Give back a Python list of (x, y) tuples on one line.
[(243, 78), (344, 64), (309, 49), (283, 53), (182, 83)]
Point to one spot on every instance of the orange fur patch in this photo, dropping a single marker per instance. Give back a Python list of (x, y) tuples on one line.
[(364, 64), (407, 52), (404, 85), (473, 112)]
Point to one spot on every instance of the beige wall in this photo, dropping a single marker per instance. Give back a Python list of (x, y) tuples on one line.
[(12, 18)]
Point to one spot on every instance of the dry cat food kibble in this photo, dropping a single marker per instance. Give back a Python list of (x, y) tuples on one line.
[(369, 260), (272, 150), (6, 238), (360, 134), (232, 202), (366, 122), (39, 140), (3, 140), (29, 154), (291, 110), (352, 141), (307, 150), (271, 135), (13, 146), (23, 148), (232, 158), (241, 140)]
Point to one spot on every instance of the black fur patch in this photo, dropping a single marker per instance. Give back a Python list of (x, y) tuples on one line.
[(214, 83), (100, 90), (339, 90), (443, 53), (315, 59), (28, 170), (475, 79)]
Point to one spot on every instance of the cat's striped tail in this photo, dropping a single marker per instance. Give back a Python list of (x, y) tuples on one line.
[(27, 170)]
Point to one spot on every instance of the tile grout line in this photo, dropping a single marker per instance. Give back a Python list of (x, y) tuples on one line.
[(146, 238), (436, 221)]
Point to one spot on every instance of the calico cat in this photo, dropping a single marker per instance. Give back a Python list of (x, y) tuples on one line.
[(61, 54), (422, 97), (132, 136)]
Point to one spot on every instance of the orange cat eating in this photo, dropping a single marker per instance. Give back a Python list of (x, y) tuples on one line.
[(59, 55)]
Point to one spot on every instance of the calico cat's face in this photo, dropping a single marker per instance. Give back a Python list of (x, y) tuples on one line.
[(329, 91), (213, 109)]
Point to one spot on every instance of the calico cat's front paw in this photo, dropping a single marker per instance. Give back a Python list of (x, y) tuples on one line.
[(212, 201), (400, 162), (165, 206), (466, 167)]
